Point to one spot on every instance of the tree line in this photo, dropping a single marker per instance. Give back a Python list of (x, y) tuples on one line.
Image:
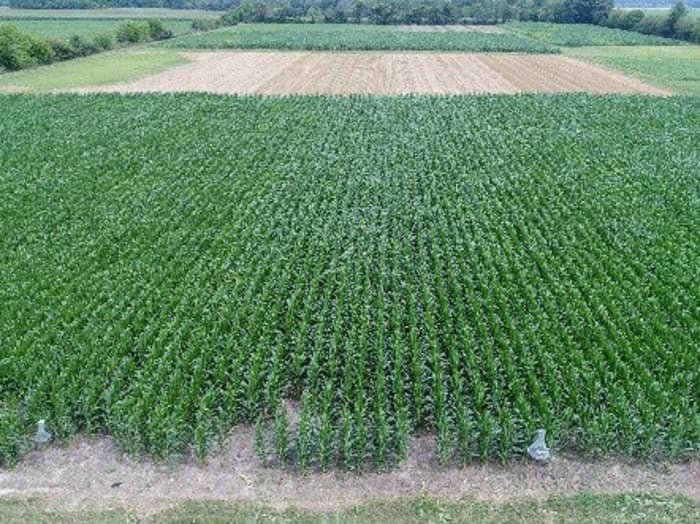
[(675, 24), (371, 11)]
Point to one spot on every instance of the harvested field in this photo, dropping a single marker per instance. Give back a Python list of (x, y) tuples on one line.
[(280, 73)]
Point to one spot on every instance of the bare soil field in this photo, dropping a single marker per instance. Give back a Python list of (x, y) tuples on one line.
[(334, 73), (92, 474)]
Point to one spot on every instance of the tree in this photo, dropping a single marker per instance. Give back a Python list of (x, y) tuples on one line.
[(358, 11), (19, 50), (671, 24), (314, 14), (584, 11), (244, 12)]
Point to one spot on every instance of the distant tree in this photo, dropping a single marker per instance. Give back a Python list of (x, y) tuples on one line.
[(358, 11), (688, 29), (651, 25), (335, 16), (243, 12), (584, 11), (677, 13), (314, 14), (629, 20), (261, 11), (382, 13)]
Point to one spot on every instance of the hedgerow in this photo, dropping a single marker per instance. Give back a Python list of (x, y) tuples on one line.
[(346, 273), (20, 50)]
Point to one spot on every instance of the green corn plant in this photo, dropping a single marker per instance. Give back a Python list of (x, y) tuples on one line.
[(281, 430), (261, 440), (305, 438), (485, 267)]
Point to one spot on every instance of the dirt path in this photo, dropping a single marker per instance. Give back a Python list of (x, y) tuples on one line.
[(279, 73), (86, 476)]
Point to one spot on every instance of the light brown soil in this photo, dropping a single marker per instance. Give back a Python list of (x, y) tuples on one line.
[(279, 73), (12, 89), (82, 476)]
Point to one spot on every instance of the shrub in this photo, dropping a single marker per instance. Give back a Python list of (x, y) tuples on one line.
[(688, 29), (206, 24), (157, 31), (626, 20), (104, 41), (14, 56), (631, 18), (41, 51), (133, 32), (19, 50), (82, 46), (651, 25), (62, 50), (245, 12)]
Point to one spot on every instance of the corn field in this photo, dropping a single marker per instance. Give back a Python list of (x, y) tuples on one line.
[(579, 35), (347, 273), (346, 37)]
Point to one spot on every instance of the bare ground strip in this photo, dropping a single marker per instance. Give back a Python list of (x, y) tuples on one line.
[(92, 474), (344, 73)]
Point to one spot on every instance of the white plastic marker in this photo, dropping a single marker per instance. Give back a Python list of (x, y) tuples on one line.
[(538, 450), (41, 436)]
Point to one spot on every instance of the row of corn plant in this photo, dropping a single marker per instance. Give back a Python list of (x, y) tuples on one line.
[(353, 277)]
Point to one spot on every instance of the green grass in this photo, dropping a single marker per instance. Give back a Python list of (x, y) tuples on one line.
[(473, 267), (582, 508), (104, 68), (355, 37), (65, 28), (577, 35), (674, 67), (131, 13)]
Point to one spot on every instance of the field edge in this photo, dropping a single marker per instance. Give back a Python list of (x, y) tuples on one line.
[(582, 507)]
